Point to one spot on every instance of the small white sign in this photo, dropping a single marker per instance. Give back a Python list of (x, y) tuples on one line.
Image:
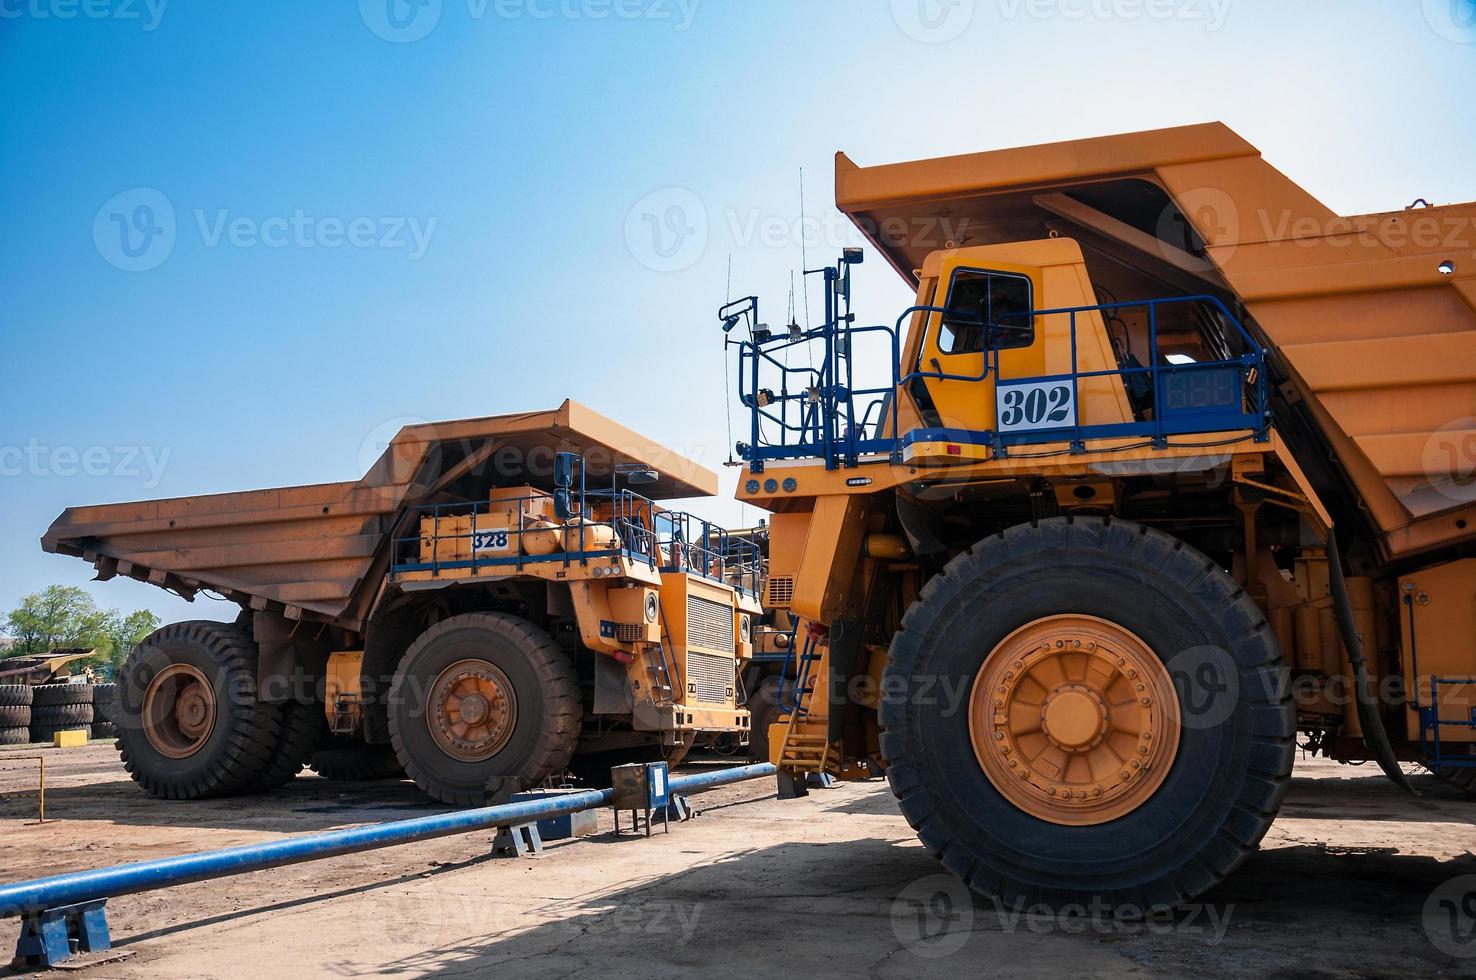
[(491, 539), (1034, 405)]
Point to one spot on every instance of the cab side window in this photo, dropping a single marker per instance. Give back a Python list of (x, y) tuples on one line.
[(986, 311)]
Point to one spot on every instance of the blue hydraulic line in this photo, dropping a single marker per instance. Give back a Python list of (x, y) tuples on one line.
[(22, 897)]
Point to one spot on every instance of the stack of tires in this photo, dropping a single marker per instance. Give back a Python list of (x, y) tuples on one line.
[(60, 708), (15, 714), (104, 707)]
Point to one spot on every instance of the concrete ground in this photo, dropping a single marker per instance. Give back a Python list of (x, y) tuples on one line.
[(1356, 879)]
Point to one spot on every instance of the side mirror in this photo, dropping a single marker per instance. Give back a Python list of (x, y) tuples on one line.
[(642, 477), (564, 469), (563, 506)]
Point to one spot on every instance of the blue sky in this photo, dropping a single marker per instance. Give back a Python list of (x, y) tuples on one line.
[(385, 211)]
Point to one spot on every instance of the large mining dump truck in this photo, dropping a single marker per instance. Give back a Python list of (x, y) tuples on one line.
[(1167, 467), (496, 603)]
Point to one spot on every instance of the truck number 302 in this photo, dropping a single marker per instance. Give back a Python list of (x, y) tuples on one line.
[(1035, 406)]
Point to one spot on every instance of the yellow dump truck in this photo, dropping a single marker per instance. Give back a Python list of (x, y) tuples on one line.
[(496, 602), (1166, 466)]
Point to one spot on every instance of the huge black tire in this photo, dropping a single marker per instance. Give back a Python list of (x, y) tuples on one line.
[(102, 730), (1234, 754), (104, 701), (15, 716), (239, 745), (764, 710), (592, 769), (15, 735), (17, 695), (545, 692), (352, 761), (301, 729), (55, 694), (59, 715)]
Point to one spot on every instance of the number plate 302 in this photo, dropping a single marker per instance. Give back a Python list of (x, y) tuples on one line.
[(1034, 405)]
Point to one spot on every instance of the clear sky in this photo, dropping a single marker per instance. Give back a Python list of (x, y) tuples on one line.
[(243, 242)]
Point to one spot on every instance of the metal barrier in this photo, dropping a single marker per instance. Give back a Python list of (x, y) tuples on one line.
[(809, 411), (52, 906), (462, 543)]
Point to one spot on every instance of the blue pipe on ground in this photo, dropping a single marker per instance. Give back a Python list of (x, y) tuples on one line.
[(21, 897)]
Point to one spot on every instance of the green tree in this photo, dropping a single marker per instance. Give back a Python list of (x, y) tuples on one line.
[(66, 616), (125, 633)]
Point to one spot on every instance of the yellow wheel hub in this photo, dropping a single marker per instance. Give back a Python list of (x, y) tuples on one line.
[(473, 710), (1074, 720)]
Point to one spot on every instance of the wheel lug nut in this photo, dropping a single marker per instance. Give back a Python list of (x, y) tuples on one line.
[(1147, 701), (999, 736)]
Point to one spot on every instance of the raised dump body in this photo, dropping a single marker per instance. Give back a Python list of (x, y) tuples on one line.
[(496, 603), (308, 551), (1370, 318)]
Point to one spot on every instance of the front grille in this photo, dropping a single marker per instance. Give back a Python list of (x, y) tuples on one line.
[(709, 678), (630, 632), (709, 624), (779, 592)]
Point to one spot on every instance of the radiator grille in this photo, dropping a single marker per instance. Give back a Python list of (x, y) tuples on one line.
[(709, 624), (630, 632), (709, 677), (779, 592)]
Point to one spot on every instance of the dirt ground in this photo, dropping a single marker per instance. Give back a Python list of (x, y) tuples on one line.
[(1356, 879)]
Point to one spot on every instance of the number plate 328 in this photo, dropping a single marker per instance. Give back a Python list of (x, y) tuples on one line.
[(1034, 405)]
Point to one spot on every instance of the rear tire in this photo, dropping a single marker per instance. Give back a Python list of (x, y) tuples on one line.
[(301, 728), (170, 762), (349, 761), (1236, 722), (540, 708), (763, 707)]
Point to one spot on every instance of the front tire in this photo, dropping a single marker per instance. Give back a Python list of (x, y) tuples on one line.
[(1232, 719), (483, 705)]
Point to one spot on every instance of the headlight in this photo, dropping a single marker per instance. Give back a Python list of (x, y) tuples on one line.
[(651, 607), (745, 628)]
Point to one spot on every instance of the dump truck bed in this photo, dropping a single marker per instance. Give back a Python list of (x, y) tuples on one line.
[(1372, 316), (318, 551)]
